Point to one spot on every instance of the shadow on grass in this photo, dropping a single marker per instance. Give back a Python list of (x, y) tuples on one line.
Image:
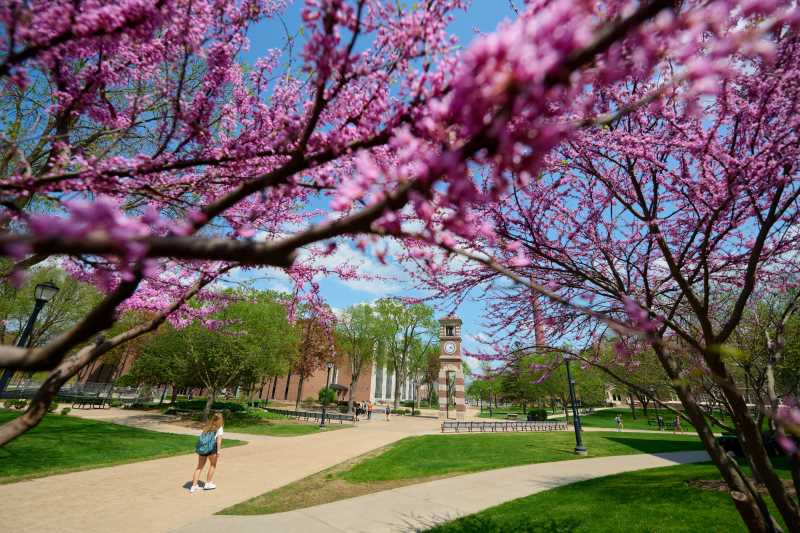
[(657, 447), (489, 524)]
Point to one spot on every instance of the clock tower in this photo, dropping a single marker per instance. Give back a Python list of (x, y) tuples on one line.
[(451, 374)]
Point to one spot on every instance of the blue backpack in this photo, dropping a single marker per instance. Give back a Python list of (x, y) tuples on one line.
[(206, 442)]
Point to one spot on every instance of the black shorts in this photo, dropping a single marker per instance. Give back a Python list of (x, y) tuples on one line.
[(212, 452)]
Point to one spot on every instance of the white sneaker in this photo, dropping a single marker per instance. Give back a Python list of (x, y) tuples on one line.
[(209, 486), (194, 488)]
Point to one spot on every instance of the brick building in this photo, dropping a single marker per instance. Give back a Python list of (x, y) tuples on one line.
[(375, 384)]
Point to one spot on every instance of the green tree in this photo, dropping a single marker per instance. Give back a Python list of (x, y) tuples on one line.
[(402, 324), (266, 336), (163, 362), (419, 363), (73, 300), (359, 336)]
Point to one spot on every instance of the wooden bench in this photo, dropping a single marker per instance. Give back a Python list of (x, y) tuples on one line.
[(495, 426), (512, 416)]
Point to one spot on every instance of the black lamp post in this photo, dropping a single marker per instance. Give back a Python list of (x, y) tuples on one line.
[(579, 448), (328, 379), (43, 293)]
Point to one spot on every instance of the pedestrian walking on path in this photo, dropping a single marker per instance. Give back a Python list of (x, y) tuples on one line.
[(369, 410), (676, 426), (387, 411), (208, 448), (618, 420)]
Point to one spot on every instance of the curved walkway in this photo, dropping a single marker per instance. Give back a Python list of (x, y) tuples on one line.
[(152, 495), (419, 507)]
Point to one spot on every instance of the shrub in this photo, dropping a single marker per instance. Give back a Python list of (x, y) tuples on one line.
[(308, 402), (401, 411), (21, 404), (199, 405), (114, 403), (537, 414), (65, 411), (52, 407), (126, 381), (326, 396)]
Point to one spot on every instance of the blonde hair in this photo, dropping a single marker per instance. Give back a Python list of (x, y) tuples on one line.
[(214, 423)]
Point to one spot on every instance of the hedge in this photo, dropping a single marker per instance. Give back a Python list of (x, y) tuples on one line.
[(537, 414), (199, 405)]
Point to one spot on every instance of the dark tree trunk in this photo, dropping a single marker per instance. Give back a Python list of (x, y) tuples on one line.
[(209, 402), (299, 392), (353, 383), (286, 391), (748, 502), (174, 395)]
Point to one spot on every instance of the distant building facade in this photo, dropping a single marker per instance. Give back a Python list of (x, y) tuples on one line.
[(375, 384)]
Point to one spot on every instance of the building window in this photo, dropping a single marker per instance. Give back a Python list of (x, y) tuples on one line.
[(449, 331), (378, 382)]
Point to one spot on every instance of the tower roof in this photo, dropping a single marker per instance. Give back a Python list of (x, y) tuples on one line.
[(450, 319)]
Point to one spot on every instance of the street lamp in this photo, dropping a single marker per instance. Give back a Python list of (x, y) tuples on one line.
[(328, 380), (579, 448), (42, 293)]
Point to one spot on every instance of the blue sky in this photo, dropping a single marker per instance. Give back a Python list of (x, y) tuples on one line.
[(482, 16)]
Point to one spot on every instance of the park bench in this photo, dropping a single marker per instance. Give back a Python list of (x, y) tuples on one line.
[(495, 426), (511, 416), (314, 415), (89, 401)]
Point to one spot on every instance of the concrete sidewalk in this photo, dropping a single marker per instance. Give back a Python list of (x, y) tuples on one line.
[(419, 507), (153, 495)]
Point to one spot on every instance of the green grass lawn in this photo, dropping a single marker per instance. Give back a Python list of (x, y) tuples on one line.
[(659, 500), (419, 459), (258, 422), (605, 419), (279, 429), (434, 455), (65, 443), (500, 413)]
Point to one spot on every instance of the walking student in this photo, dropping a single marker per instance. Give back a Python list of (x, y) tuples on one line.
[(369, 410), (676, 426), (387, 411), (208, 448), (618, 420)]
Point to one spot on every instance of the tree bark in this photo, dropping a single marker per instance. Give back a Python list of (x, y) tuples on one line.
[(212, 393), (299, 391), (353, 385), (748, 502), (396, 387), (753, 444)]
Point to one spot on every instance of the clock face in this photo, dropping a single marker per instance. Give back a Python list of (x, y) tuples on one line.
[(450, 347)]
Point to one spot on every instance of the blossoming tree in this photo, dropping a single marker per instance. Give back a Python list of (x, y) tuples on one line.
[(660, 225), (151, 150)]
